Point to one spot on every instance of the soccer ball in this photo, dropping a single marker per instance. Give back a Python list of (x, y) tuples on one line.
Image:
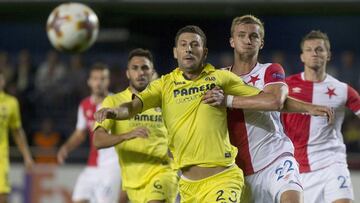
[(72, 27)]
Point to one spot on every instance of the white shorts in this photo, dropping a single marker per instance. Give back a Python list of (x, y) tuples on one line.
[(327, 184), (268, 184), (98, 185)]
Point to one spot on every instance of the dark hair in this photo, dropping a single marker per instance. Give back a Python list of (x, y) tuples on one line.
[(141, 52), (316, 34), (99, 66), (191, 29)]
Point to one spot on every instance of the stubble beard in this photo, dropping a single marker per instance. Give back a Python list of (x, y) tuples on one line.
[(139, 88)]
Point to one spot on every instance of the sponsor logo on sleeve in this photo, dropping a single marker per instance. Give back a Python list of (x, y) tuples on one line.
[(278, 76)]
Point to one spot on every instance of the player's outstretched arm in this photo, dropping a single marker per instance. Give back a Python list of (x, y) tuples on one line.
[(271, 99), (123, 112), (21, 142), (76, 138), (294, 105), (102, 139)]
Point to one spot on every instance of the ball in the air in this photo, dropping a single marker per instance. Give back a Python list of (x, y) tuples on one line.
[(72, 27)]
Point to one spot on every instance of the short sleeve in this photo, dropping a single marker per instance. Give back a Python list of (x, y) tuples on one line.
[(107, 123), (353, 100), (15, 118), (274, 74), (151, 96)]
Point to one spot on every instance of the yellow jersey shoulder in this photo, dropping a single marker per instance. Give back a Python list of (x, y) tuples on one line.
[(9, 99), (120, 97)]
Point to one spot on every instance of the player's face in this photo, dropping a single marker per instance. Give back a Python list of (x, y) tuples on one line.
[(99, 81), (246, 39), (314, 54), (140, 71), (190, 52)]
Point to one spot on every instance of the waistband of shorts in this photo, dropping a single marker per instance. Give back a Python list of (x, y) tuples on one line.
[(285, 154), (184, 178)]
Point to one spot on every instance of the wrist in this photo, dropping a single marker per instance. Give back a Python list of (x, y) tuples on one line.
[(229, 101), (115, 113), (27, 157), (127, 136)]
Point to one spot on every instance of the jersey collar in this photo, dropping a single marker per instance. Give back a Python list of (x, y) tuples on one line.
[(208, 68), (302, 75), (128, 91)]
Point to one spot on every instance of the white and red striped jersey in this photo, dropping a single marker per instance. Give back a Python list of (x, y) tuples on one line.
[(317, 143), (259, 135), (86, 120)]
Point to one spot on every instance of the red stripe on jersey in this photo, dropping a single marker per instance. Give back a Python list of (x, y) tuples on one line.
[(297, 126), (239, 138), (89, 108), (353, 100), (274, 73)]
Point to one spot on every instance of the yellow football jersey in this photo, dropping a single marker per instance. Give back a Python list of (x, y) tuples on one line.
[(9, 119), (198, 133), (140, 159)]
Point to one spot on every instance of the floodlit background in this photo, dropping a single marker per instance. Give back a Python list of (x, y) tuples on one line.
[(152, 25)]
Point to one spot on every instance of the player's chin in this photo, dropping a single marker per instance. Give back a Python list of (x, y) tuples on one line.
[(98, 91), (140, 86), (191, 67), (188, 63)]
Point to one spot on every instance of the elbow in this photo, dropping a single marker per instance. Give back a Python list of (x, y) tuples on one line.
[(279, 99), (97, 145), (277, 105), (97, 142)]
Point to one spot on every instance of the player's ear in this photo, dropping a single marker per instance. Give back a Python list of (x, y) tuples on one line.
[(302, 57), (231, 41), (262, 43), (329, 56), (127, 74), (152, 70), (206, 50), (175, 53)]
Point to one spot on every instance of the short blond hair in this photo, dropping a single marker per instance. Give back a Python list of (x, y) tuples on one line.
[(248, 19)]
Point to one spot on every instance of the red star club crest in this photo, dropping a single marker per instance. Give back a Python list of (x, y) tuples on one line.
[(253, 79), (331, 92)]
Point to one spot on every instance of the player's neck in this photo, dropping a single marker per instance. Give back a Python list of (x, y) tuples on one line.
[(98, 98), (314, 75), (243, 65), (133, 89), (191, 74)]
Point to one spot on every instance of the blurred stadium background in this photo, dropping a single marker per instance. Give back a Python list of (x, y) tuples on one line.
[(49, 104)]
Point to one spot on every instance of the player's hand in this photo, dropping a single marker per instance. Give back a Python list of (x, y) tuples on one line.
[(214, 97), (62, 155), (105, 113), (141, 132), (323, 111)]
